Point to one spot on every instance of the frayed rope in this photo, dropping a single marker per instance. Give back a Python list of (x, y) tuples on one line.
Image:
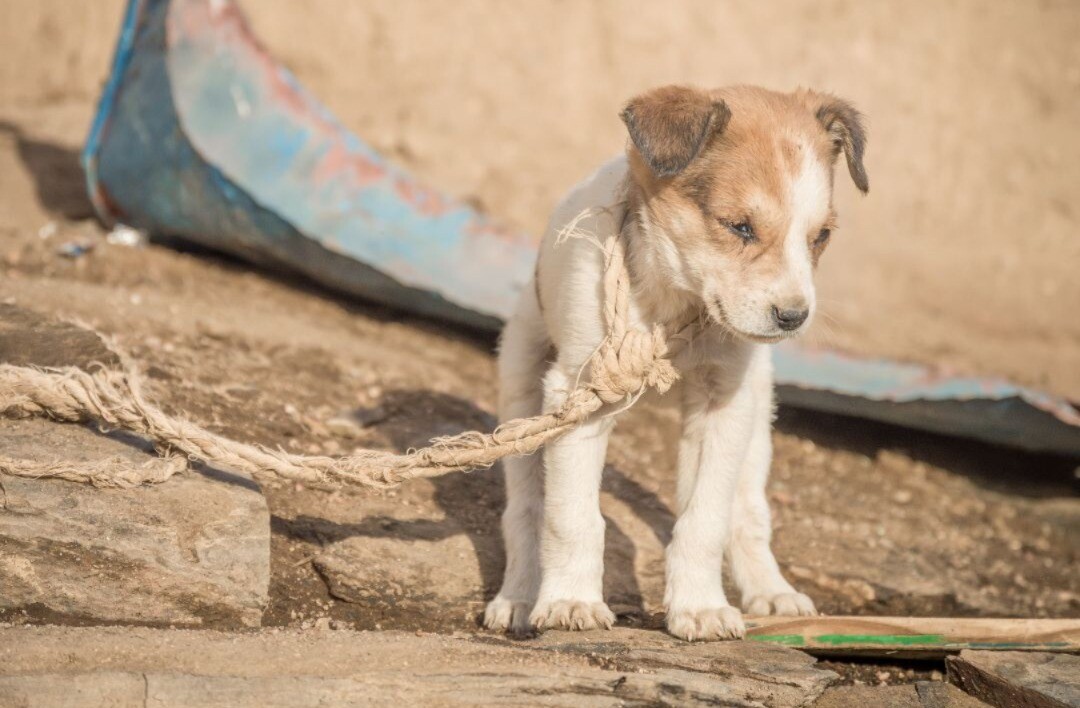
[(626, 364)]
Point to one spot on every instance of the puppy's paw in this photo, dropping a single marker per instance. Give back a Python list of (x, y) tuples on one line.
[(506, 615), (571, 614), (707, 625), (793, 604)]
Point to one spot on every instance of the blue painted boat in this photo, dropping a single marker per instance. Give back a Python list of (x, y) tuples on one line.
[(200, 134)]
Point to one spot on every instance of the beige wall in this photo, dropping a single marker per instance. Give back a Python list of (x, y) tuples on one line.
[(55, 50), (965, 251)]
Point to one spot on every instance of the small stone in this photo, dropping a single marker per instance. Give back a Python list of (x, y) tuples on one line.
[(782, 498), (1012, 678), (404, 575), (876, 696), (122, 235), (351, 425), (75, 249)]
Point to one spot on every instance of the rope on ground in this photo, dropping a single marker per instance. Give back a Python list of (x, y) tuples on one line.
[(627, 363)]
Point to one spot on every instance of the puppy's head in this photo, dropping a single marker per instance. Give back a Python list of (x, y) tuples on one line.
[(735, 196)]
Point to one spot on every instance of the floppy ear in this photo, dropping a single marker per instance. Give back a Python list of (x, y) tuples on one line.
[(670, 125), (845, 126)]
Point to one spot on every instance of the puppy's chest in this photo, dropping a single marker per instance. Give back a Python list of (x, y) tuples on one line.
[(716, 359)]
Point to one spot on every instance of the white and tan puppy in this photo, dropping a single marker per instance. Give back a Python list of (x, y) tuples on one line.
[(725, 202)]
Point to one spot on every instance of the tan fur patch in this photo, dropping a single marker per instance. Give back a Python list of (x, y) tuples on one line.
[(670, 125), (743, 174)]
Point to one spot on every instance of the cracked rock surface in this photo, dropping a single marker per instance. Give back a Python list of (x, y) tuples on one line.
[(626, 667)]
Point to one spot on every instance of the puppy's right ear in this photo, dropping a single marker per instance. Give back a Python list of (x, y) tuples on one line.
[(670, 125)]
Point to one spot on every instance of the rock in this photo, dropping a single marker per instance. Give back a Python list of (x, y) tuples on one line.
[(351, 424), (468, 688), (30, 339), (753, 671), (935, 694), (924, 694), (264, 668), (435, 579), (876, 696), (194, 550), (1013, 678)]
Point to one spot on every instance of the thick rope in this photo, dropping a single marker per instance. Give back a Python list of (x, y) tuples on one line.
[(627, 363)]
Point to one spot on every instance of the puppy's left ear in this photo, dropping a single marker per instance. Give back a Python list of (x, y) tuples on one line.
[(670, 125), (845, 126)]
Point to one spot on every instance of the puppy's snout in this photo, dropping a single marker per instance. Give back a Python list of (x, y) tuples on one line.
[(789, 318)]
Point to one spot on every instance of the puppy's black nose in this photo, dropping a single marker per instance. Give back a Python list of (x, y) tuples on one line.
[(789, 319)]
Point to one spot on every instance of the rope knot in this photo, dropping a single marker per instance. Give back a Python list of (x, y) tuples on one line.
[(637, 362)]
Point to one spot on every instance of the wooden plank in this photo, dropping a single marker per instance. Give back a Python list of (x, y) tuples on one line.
[(914, 637), (1018, 679)]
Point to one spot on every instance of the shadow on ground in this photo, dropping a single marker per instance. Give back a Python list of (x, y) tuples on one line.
[(57, 174), (998, 469)]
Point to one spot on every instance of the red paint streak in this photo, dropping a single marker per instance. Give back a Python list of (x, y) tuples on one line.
[(108, 204), (338, 163), (193, 22), (427, 202)]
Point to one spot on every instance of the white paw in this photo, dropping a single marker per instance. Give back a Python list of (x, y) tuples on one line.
[(571, 614), (506, 615), (707, 625), (793, 604)]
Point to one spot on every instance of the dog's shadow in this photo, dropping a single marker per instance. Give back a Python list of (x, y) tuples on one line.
[(472, 503)]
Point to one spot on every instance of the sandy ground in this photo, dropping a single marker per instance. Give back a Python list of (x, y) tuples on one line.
[(964, 254)]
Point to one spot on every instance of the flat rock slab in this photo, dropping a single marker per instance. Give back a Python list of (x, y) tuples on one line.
[(748, 667), (1020, 679), (438, 578), (194, 550), (40, 666)]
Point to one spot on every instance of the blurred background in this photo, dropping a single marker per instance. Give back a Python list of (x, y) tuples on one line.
[(964, 254)]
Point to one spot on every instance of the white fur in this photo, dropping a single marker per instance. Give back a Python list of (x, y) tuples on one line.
[(747, 301), (809, 207), (552, 526)]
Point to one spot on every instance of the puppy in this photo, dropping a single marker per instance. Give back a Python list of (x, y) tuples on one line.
[(724, 199)]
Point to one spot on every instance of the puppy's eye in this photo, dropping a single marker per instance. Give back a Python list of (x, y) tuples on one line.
[(743, 230), (823, 237)]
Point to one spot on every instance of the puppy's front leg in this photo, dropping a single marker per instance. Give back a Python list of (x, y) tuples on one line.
[(753, 566), (717, 422), (572, 537)]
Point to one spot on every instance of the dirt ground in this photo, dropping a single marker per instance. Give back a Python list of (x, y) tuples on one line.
[(869, 519)]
